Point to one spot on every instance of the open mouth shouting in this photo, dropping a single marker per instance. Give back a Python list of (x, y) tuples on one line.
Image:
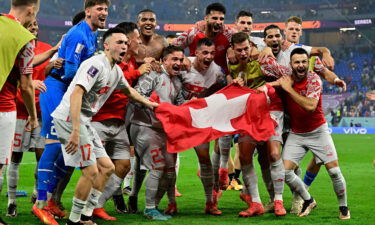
[(176, 69), (275, 48), (216, 28)]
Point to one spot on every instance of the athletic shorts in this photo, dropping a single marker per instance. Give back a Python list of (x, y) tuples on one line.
[(319, 141), (114, 137), (7, 128), (150, 145), (25, 141), (49, 101), (90, 146)]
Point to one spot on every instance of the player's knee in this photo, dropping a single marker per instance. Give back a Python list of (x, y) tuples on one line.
[(289, 176), (334, 172), (90, 173), (274, 156)]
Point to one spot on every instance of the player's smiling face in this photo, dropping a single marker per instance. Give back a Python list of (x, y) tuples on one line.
[(273, 40), (215, 21), (173, 62), (244, 24), (293, 32), (97, 15), (205, 55), (147, 23), (116, 45), (299, 63), (33, 27), (242, 51)]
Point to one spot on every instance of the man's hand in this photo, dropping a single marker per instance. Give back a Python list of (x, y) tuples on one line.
[(56, 47), (149, 60), (285, 45), (31, 124), (57, 64), (39, 85), (371, 95), (201, 25), (239, 81), (73, 143), (231, 56), (151, 105), (328, 61), (186, 64), (340, 83), (286, 82), (263, 55), (145, 68)]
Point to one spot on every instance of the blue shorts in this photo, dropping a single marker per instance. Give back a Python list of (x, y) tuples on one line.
[(49, 101)]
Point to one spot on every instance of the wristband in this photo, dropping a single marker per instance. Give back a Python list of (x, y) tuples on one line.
[(336, 79)]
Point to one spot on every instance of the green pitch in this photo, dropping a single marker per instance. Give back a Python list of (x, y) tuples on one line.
[(356, 155)]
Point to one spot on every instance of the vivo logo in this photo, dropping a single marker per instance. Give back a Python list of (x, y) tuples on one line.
[(354, 130)]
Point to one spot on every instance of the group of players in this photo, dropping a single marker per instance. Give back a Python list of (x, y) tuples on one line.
[(96, 111)]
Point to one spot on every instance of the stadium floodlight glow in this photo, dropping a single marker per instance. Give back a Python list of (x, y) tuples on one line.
[(347, 28), (265, 12)]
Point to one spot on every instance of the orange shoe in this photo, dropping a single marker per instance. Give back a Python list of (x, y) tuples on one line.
[(55, 210), (279, 208), (246, 198), (171, 209), (211, 209), (223, 178), (102, 214), (254, 210), (216, 195), (177, 193), (44, 215)]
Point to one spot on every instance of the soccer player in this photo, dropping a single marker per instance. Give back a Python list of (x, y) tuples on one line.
[(16, 57), (79, 44), (309, 129), (171, 38), (147, 134), (94, 82), (27, 140)]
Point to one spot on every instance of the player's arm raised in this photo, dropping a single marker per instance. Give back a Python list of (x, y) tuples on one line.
[(324, 52)]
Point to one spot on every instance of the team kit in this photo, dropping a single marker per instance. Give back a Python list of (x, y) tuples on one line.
[(78, 107)]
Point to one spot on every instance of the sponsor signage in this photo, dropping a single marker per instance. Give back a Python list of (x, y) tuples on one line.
[(352, 130)]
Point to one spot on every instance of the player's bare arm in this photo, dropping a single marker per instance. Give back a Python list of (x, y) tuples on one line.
[(324, 52), (42, 57), (333, 79), (28, 95), (309, 104), (75, 114)]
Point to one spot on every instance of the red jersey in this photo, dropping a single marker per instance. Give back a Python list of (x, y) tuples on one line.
[(38, 74), (115, 106), (22, 65), (191, 37)]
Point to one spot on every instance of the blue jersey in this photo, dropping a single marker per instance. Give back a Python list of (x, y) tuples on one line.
[(79, 44)]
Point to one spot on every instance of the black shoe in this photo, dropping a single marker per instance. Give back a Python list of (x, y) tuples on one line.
[(344, 213), (69, 222), (119, 204), (307, 206), (238, 181), (12, 210), (85, 218), (33, 198), (127, 190), (133, 204), (3, 222)]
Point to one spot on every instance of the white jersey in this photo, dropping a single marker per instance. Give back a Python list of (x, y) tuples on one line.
[(197, 84), (99, 79), (283, 58), (259, 42)]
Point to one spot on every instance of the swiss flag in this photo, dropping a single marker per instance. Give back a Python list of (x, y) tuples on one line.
[(231, 110)]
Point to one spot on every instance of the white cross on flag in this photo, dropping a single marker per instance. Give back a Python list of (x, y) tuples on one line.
[(231, 110)]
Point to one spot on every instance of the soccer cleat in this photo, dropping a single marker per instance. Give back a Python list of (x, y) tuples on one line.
[(307, 206), (12, 210), (246, 198), (171, 209), (236, 186), (154, 214), (269, 207), (2, 221), (296, 204), (211, 209), (127, 190), (120, 205), (69, 222), (216, 195), (44, 215), (223, 178), (133, 204), (62, 208), (102, 214), (344, 213), (54, 209), (177, 193), (87, 220), (279, 208), (255, 209)]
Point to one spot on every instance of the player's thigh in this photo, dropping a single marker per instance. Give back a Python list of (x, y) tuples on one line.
[(294, 149), (7, 128), (278, 116)]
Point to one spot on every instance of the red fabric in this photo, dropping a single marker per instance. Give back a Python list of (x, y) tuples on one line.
[(178, 122), (115, 106), (38, 74)]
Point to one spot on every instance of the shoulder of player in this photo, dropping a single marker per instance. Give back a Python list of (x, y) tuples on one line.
[(96, 62), (313, 77)]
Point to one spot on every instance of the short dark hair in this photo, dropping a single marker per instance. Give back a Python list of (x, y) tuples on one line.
[(205, 41), (243, 13), (170, 49), (215, 7), (128, 27), (91, 3), (111, 31), (299, 51), (295, 19), (239, 38), (78, 17), (146, 10), (18, 3), (171, 36), (269, 27)]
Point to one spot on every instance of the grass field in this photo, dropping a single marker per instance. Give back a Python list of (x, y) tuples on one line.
[(356, 154)]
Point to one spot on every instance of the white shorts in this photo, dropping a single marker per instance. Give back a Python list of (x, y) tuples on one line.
[(319, 141), (114, 137), (90, 146), (7, 128), (25, 141)]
